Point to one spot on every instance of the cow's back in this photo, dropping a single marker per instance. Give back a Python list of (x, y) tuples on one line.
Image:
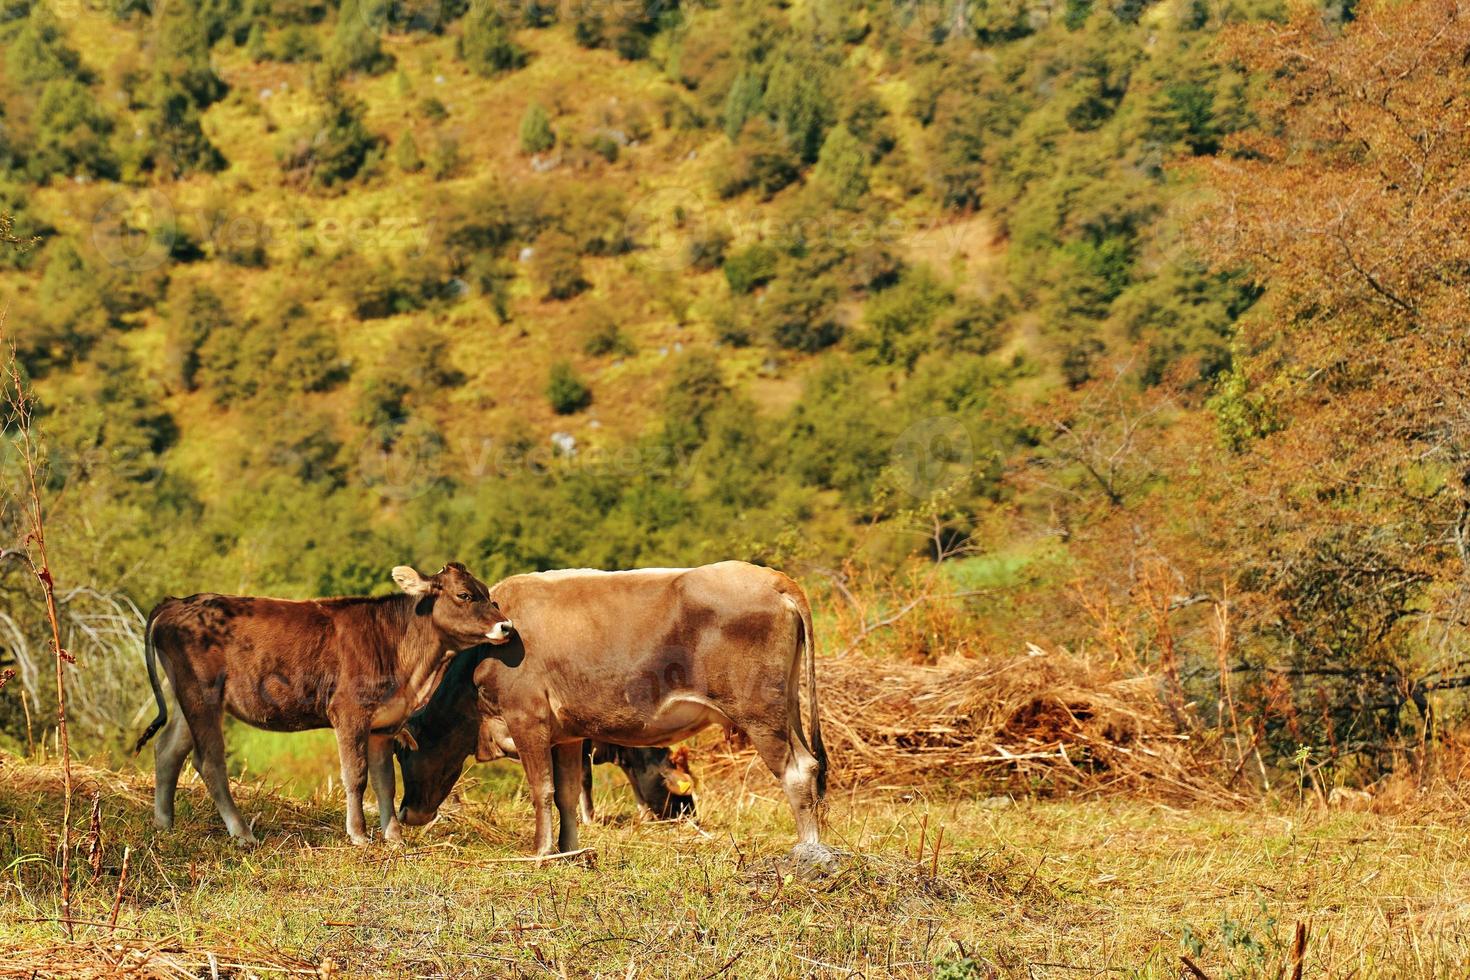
[(274, 661), (612, 650)]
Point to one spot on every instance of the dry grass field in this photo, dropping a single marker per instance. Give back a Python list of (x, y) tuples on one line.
[(967, 886)]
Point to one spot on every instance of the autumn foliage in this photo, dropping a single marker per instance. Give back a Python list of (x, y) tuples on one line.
[(1348, 407)]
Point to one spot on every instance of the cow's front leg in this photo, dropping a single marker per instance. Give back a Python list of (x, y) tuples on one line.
[(352, 746), (380, 771), (566, 764), (535, 752)]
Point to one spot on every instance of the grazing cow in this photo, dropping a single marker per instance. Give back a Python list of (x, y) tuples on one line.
[(648, 658), (456, 724), (359, 665)]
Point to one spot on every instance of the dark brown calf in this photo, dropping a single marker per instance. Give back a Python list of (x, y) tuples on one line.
[(648, 658), (359, 666)]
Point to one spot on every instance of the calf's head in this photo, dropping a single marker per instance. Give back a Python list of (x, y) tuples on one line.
[(660, 778), (460, 605)]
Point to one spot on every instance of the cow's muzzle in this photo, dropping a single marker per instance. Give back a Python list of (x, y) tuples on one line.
[(501, 632), (414, 818)]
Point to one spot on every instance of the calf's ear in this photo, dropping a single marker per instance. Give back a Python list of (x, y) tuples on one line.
[(410, 581)]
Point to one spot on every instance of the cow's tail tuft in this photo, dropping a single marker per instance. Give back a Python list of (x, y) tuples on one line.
[(150, 657), (809, 643)]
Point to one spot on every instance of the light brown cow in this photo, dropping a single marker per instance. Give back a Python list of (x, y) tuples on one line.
[(646, 658), (358, 665)]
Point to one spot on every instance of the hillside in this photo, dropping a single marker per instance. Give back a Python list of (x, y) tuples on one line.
[(298, 301), (1093, 326)]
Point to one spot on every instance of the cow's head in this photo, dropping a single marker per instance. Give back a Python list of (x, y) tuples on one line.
[(660, 778), (461, 607), (441, 737), (430, 772)]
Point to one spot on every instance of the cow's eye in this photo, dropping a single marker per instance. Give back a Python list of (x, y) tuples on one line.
[(465, 597)]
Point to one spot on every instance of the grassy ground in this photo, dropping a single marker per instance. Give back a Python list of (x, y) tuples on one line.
[(1028, 889)]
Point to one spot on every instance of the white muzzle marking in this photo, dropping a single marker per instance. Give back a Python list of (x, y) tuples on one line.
[(501, 631)]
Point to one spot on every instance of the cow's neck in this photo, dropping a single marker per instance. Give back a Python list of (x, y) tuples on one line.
[(422, 658)]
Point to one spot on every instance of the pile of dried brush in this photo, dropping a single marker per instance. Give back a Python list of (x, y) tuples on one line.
[(1047, 724), (167, 959)]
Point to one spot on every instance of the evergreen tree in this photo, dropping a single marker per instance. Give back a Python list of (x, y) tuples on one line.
[(842, 167), (536, 133), (355, 44), (486, 44), (406, 154)]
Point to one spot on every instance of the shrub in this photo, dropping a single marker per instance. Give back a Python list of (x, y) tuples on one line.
[(558, 266), (337, 147), (444, 159), (605, 337), (842, 168), (567, 392), (406, 155), (72, 134), (355, 45), (536, 133), (486, 45), (750, 267)]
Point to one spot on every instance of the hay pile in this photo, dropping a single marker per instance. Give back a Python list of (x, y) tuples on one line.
[(1045, 724), (95, 959)]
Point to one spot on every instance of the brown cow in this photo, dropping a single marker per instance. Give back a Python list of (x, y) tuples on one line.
[(455, 725), (649, 658), (358, 665)]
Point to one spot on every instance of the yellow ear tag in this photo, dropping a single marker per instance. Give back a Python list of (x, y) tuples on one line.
[(683, 787)]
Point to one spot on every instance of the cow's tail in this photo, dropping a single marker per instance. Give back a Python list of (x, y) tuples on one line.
[(809, 646), (150, 657)]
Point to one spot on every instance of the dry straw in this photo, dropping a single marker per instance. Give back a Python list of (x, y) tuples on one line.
[(1040, 723)]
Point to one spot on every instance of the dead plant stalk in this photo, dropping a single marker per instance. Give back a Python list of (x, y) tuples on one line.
[(19, 411)]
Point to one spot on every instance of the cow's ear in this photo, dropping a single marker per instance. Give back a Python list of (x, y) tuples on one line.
[(410, 581)]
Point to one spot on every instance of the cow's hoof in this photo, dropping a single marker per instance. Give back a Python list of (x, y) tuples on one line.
[(393, 836), (360, 840), (159, 823), (813, 860), (248, 840)]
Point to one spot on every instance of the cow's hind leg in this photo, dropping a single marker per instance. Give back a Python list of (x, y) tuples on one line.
[(173, 747), (795, 768), (566, 764), (380, 771), (206, 725)]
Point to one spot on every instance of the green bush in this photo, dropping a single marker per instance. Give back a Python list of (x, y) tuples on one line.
[(604, 337), (406, 155), (557, 266), (486, 44), (567, 392), (750, 267), (536, 132), (336, 148), (355, 46)]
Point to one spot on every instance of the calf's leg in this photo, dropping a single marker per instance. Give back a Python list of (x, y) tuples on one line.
[(173, 747), (587, 814), (380, 771), (352, 747), (566, 763), (206, 726)]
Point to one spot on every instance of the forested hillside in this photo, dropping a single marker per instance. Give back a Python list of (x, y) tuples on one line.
[(322, 288)]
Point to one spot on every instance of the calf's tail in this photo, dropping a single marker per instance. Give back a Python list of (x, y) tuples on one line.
[(809, 645), (150, 657)]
